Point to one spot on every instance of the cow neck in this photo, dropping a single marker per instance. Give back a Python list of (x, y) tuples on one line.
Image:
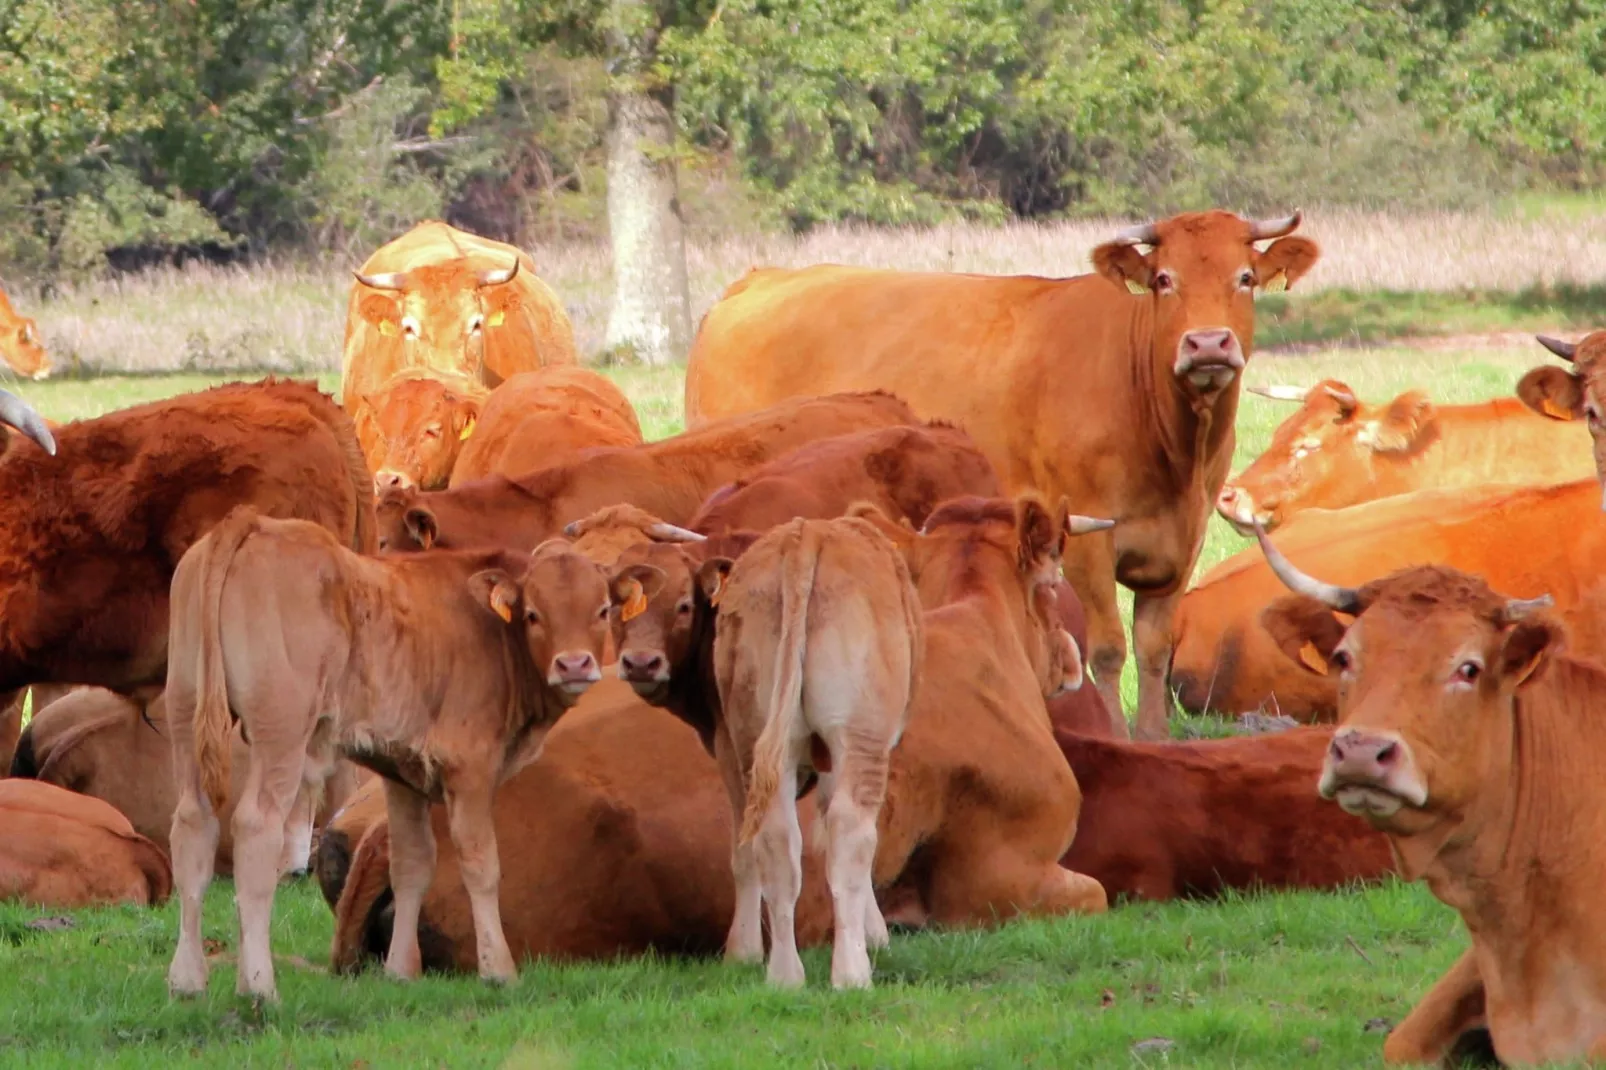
[(963, 584), (693, 693)]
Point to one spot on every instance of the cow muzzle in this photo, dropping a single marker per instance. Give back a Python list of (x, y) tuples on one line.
[(390, 479), (1209, 359), (41, 375), (643, 670), (1238, 507), (1371, 774), (573, 673)]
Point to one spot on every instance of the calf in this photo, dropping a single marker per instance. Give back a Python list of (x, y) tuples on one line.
[(1579, 394), (669, 478), (412, 429), (66, 850), (441, 672), (544, 418), (1470, 740), (903, 471)]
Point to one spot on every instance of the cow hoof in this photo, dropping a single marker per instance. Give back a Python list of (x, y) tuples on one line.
[(851, 979), (786, 975), (499, 977), (744, 954)]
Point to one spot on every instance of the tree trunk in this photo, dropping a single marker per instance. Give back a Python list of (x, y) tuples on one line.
[(651, 314)]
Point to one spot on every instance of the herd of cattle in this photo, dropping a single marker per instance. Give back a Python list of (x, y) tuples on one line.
[(545, 689)]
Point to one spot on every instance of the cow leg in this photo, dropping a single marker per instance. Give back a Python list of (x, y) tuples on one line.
[(779, 845), (745, 941), (298, 832), (468, 813), (412, 866), (259, 820), (193, 842), (1089, 568), (1152, 620), (850, 853), (1451, 1007), (10, 725)]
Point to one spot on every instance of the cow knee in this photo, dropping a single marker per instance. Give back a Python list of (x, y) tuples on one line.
[(1108, 661)]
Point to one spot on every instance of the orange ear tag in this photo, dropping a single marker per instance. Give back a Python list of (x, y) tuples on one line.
[(387, 328), (1136, 287), (503, 610), (1553, 410), (468, 429), (1312, 658), (496, 319), (635, 605)]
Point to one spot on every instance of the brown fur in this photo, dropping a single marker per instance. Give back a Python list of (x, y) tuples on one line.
[(412, 428), (544, 418), (21, 347), (1576, 395), (63, 850)]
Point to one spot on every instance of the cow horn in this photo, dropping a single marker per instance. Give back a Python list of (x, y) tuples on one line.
[(1343, 599), (19, 414), (1564, 350), (572, 528), (664, 532), (1142, 234), (1345, 398), (390, 280), (1262, 229), (1518, 608), (1086, 525), (497, 276), (1278, 392)]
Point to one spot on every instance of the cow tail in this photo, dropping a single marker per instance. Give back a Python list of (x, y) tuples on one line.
[(154, 865), (367, 883), (786, 700), (213, 719)]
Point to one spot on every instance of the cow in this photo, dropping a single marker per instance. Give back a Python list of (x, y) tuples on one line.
[(90, 536), (1195, 818), (11, 733), (669, 478), (978, 733), (415, 425), (437, 671), (1337, 451), (98, 743), (1468, 736), (64, 850), (1573, 395), (903, 471), (1075, 708), (20, 345), (816, 656), (1226, 662), (540, 419), (1122, 402)]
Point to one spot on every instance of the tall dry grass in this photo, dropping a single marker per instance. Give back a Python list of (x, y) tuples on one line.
[(291, 317)]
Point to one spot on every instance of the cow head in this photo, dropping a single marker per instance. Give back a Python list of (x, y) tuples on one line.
[(1427, 677), (1571, 395), (441, 313), (1323, 455), (561, 605), (420, 425), (663, 601), (609, 532), (1200, 275), (405, 522), (24, 350), (14, 412)]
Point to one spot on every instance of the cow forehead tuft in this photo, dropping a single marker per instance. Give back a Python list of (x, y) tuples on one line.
[(1429, 590)]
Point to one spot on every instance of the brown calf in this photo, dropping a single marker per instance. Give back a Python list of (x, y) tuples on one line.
[(66, 850), (412, 429), (1579, 394), (544, 418), (441, 672)]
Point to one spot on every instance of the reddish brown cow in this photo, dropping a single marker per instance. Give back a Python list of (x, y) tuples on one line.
[(61, 849), (1123, 404), (544, 418), (1573, 395), (414, 426), (89, 537), (903, 471), (438, 671), (1168, 820), (1077, 708), (1337, 451), (669, 478)]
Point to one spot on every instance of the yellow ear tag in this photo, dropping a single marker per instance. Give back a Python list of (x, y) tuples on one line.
[(496, 319), (468, 429), (635, 605), (1276, 284), (1553, 410), (1136, 287), (387, 328), (713, 599), (1312, 658), (503, 610)]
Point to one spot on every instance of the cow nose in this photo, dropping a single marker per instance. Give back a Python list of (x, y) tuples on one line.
[(390, 479), (1360, 758), (1237, 506), (575, 664), (641, 664), (1212, 343)]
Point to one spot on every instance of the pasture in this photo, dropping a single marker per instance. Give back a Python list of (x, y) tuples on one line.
[(1266, 981)]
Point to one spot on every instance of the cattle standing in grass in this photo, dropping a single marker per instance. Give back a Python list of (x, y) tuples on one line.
[(545, 418), (1579, 394), (1473, 742), (20, 345), (61, 849), (1073, 387), (1338, 451), (438, 671), (669, 478), (89, 537)]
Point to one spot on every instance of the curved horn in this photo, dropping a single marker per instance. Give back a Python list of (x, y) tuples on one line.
[(572, 528), (392, 280), (1564, 350), (497, 276), (1343, 599), (664, 532), (1345, 398), (1278, 392), (1086, 525), (1142, 234), (1518, 608), (19, 414), (1262, 229)]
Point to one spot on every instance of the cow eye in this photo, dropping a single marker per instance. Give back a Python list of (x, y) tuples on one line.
[(1246, 280), (1468, 671), (432, 432), (475, 324), (1164, 283), (1341, 660), (409, 326), (684, 607), (602, 614), (532, 617), (1592, 415)]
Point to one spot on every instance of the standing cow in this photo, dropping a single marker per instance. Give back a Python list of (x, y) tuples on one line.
[(1122, 402)]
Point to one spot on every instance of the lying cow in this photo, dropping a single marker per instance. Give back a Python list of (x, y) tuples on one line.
[(669, 478), (11, 733), (903, 471), (1579, 394), (1338, 451), (61, 849), (1470, 739), (437, 671)]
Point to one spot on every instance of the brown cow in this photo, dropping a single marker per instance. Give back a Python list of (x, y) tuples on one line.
[(400, 664), (412, 428), (669, 478), (1226, 662), (89, 537), (61, 849), (20, 345), (1167, 820), (543, 418), (1124, 404), (903, 471), (11, 734), (1337, 451), (1470, 739), (1076, 708), (1578, 394)]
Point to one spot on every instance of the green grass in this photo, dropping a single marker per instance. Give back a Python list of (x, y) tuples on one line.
[(1352, 317)]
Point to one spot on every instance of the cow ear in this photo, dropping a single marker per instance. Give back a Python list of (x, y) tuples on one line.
[(1304, 630), (1527, 643), (420, 523), (1553, 392), (635, 586), (1286, 259), (1123, 265), (464, 417), (1404, 424), (1070, 658), (380, 310), (1039, 534), (712, 576), (496, 590), (901, 534)]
